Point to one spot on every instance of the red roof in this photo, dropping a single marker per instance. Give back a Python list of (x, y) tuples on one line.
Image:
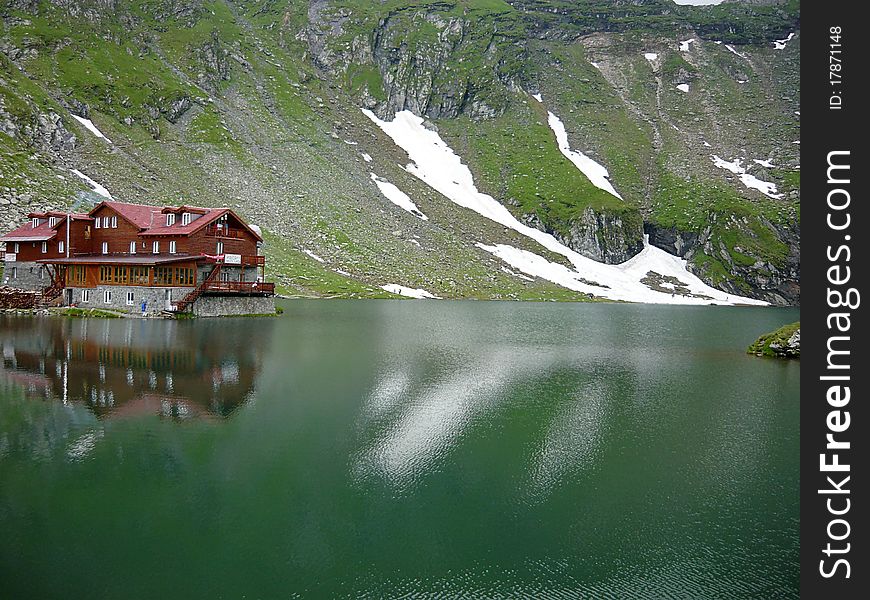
[(211, 215), (29, 233), (140, 215), (151, 220)]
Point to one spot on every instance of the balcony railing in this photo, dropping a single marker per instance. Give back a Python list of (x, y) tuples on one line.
[(239, 287), (223, 231)]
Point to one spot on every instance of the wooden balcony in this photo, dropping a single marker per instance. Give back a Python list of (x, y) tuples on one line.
[(239, 287), (253, 261), (223, 231)]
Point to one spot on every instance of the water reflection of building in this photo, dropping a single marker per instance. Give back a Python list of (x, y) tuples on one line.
[(123, 367)]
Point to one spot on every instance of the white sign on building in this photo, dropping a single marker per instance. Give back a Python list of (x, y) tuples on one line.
[(232, 259)]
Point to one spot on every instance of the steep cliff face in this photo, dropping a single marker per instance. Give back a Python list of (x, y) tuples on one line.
[(256, 103)]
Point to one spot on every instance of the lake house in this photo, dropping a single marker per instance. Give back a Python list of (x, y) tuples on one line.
[(144, 259)]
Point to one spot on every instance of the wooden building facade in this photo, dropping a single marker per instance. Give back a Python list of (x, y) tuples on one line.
[(137, 257)]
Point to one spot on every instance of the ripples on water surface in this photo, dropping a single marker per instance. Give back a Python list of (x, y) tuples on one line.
[(400, 449)]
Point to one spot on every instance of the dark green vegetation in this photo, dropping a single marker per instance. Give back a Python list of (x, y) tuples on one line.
[(780, 343), (255, 104)]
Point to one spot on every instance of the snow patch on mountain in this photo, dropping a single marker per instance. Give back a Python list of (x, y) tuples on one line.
[(89, 125), (99, 189), (397, 197), (596, 172), (435, 163), (401, 290), (750, 181)]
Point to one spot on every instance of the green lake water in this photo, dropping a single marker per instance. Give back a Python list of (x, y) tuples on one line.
[(413, 449)]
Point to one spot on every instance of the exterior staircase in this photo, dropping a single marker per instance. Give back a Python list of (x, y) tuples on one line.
[(183, 304)]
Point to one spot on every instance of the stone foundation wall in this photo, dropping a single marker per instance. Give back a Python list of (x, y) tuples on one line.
[(219, 306), (155, 298), (25, 275)]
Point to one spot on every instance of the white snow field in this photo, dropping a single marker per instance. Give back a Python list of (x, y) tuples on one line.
[(395, 288), (398, 197), (684, 46), (650, 56), (89, 125), (435, 163), (94, 185), (683, 87)]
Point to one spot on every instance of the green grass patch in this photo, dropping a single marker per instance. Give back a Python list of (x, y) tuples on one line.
[(771, 344)]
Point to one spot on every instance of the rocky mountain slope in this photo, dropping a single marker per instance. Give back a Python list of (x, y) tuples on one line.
[(693, 111)]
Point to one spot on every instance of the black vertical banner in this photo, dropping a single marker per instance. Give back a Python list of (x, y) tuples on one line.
[(834, 250)]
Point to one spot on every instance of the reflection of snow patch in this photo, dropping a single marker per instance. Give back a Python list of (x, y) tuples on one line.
[(397, 197), (401, 290), (84, 445)]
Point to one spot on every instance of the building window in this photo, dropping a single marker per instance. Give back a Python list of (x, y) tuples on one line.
[(105, 247), (138, 275), (114, 222), (86, 296), (132, 247), (35, 222), (76, 275), (41, 273), (170, 219), (16, 247), (172, 247), (225, 276), (185, 219), (44, 247), (105, 274), (52, 221), (105, 222), (162, 276), (97, 223), (60, 247), (184, 276), (121, 275), (14, 272), (155, 247), (220, 247), (107, 296), (130, 299)]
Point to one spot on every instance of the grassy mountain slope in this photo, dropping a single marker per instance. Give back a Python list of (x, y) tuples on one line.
[(255, 104)]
